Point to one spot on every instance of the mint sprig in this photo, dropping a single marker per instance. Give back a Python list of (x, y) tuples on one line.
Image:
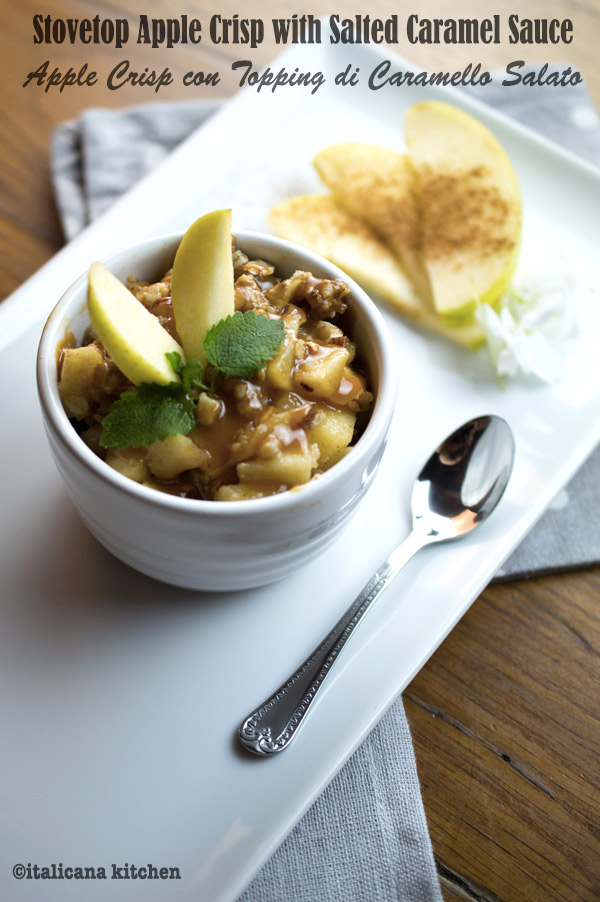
[(148, 413), (241, 344), (151, 412), (238, 346), (190, 373)]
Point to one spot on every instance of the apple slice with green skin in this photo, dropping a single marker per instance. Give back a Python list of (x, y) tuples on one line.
[(470, 208), (133, 337), (202, 282)]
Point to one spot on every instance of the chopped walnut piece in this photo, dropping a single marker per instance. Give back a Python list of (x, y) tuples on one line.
[(259, 269), (248, 295), (324, 297), (328, 333), (249, 398), (149, 294), (239, 261)]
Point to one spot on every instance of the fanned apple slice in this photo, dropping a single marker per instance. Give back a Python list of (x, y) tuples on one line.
[(133, 337), (378, 185), (322, 224), (470, 208), (202, 281)]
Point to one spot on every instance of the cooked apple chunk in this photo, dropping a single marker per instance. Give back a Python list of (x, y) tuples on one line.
[(321, 370), (86, 375), (174, 455), (131, 463), (293, 466), (78, 378), (209, 409), (280, 367), (243, 491), (332, 431)]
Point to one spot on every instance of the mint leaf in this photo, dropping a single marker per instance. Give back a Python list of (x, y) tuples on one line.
[(192, 375), (175, 361), (241, 344), (146, 414)]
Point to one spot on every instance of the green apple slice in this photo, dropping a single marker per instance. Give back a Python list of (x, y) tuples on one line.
[(202, 282), (133, 337), (470, 209)]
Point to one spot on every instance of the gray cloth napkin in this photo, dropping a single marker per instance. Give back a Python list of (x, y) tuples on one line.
[(366, 838)]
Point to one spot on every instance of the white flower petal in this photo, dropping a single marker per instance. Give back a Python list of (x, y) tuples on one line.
[(531, 330)]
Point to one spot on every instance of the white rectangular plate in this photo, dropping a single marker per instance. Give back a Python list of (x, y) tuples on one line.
[(121, 696)]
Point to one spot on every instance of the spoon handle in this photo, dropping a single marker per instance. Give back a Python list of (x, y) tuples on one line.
[(273, 726)]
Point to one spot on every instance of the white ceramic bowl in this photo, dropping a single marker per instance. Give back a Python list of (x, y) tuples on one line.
[(208, 544)]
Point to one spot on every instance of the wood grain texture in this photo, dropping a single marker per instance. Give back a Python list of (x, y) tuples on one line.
[(506, 720), (506, 715)]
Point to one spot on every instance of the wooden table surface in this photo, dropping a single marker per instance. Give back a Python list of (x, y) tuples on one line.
[(506, 714)]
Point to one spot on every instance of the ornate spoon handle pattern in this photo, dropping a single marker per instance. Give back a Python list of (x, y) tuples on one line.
[(273, 726)]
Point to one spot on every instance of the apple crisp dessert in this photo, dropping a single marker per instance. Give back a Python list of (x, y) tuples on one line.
[(251, 434)]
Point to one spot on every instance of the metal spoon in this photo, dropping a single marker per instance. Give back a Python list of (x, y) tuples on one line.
[(457, 489)]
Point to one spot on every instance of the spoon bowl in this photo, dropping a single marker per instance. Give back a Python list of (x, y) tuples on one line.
[(463, 480)]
